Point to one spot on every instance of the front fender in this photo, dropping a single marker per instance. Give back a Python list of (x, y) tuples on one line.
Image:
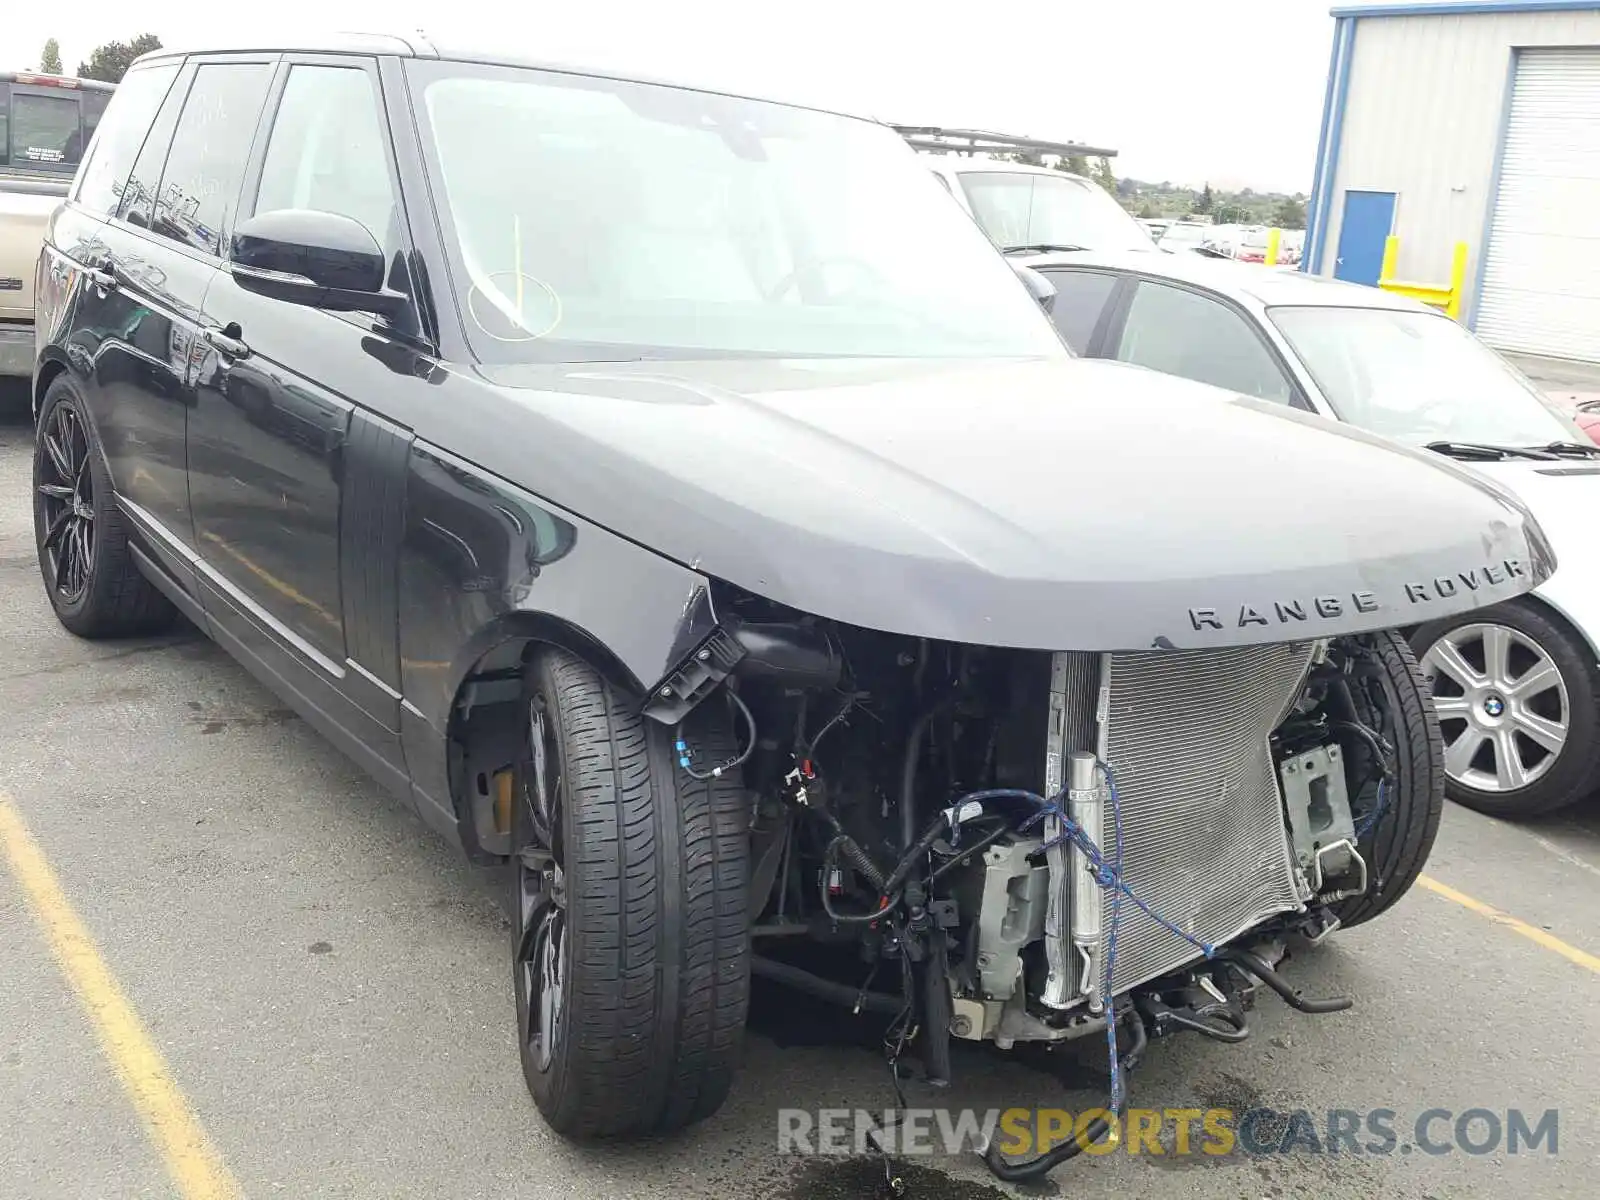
[(486, 565)]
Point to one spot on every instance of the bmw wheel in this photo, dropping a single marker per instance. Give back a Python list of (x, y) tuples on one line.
[(1515, 689)]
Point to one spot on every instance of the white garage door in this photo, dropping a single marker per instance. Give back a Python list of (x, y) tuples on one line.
[(1541, 283)]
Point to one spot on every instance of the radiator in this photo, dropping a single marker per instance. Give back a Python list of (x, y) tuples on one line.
[(1203, 835)]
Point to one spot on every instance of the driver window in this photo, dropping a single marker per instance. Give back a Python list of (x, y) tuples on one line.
[(327, 153), (1184, 333)]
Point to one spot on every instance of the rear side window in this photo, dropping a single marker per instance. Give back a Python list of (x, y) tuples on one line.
[(201, 181), (327, 153), (139, 189), (1081, 297), (1184, 333), (105, 175)]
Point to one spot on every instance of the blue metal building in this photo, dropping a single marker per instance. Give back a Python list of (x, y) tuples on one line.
[(1476, 122)]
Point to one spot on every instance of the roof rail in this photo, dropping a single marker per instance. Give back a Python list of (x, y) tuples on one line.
[(979, 141)]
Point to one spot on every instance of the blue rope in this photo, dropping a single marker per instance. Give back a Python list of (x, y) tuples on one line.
[(1378, 807), (1113, 1059), (1109, 876)]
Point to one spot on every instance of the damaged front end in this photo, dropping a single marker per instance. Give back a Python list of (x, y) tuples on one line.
[(1004, 845)]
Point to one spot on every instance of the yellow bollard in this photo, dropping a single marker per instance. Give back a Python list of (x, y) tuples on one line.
[(1391, 255), (1274, 239), (1458, 281)]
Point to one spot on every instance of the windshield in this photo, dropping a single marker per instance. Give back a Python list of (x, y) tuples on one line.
[(1019, 208), (593, 219), (1185, 235), (1418, 377)]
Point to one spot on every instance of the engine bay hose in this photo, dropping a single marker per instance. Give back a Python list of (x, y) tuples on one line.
[(857, 999), (908, 777), (1041, 1165)]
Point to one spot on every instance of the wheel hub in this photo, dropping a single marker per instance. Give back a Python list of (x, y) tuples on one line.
[(1502, 705), (541, 895), (64, 510)]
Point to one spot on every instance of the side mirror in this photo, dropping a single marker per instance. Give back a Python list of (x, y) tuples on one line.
[(319, 259), (1040, 288)]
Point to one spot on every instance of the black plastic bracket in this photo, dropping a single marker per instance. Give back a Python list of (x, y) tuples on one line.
[(694, 678)]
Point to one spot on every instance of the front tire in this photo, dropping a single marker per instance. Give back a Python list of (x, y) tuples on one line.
[(1515, 688), (631, 961), (89, 574), (1397, 843)]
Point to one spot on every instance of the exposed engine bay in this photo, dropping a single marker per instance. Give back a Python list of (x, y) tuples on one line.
[(1020, 846)]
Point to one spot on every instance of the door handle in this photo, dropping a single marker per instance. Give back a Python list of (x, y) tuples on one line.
[(226, 341)]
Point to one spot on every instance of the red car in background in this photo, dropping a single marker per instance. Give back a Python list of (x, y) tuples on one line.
[(1587, 416)]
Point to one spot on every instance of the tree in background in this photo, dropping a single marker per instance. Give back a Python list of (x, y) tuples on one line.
[(1147, 211), (1204, 201), (50, 59), (111, 61), (1231, 214), (1077, 164), (1103, 175), (1291, 214)]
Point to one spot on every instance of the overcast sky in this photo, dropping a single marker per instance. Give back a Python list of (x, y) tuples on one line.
[(1228, 91)]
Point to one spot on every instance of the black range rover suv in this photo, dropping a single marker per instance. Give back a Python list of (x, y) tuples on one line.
[(676, 499)]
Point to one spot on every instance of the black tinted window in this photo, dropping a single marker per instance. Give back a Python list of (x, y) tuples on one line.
[(94, 107), (138, 190), (46, 131), (1184, 333), (326, 151), (139, 97), (1081, 297), (209, 149)]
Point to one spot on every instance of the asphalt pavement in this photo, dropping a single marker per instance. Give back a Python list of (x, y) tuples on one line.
[(326, 984)]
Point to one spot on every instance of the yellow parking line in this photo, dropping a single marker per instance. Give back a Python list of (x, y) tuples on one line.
[(1532, 932), (191, 1159)]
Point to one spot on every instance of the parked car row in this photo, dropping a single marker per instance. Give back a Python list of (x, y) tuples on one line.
[(746, 569)]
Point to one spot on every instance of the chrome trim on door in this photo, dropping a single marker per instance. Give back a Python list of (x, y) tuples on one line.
[(372, 679), (222, 583)]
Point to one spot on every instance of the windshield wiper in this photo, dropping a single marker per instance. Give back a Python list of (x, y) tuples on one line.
[(1041, 248), (1577, 449), (1485, 452)]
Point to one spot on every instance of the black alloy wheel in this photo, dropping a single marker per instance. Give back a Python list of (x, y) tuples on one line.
[(65, 487), (541, 952)]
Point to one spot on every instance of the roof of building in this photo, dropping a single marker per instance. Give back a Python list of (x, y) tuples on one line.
[(1447, 8), (1240, 281)]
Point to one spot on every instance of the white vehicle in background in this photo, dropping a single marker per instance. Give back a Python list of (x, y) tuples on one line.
[(1516, 684), (1185, 237), (45, 123), (1025, 208)]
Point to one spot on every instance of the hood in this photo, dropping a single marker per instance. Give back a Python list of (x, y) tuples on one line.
[(1564, 498), (1052, 504)]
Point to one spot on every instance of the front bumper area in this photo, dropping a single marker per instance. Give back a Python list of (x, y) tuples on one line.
[(16, 351)]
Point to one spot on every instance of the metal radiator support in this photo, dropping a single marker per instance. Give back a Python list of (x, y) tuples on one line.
[(1076, 684)]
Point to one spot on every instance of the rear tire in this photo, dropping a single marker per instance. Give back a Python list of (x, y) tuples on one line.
[(1494, 752), (1398, 844), (89, 574), (652, 957)]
